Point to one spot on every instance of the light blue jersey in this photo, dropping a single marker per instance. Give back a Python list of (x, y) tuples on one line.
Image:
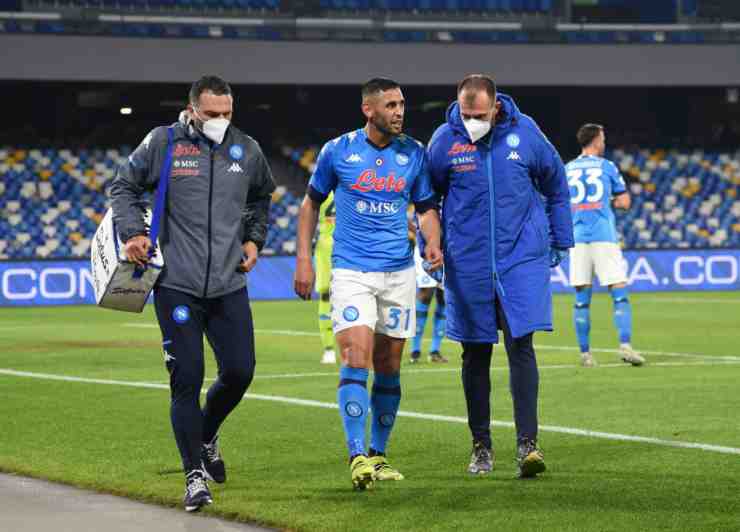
[(593, 181), (372, 189)]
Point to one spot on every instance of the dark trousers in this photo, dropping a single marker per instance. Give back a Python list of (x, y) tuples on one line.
[(227, 324), (523, 381)]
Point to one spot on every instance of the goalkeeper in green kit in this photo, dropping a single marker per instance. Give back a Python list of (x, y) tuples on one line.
[(322, 259)]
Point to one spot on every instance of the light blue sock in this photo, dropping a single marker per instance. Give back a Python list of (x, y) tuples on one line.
[(622, 314), (439, 327), (422, 311), (385, 400), (353, 400), (582, 317)]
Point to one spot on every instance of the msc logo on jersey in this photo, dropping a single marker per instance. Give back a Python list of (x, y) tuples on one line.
[(402, 159), (377, 207), (513, 140), (369, 181)]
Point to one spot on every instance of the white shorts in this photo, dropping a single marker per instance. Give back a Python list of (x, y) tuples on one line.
[(603, 258), (384, 301), (423, 279)]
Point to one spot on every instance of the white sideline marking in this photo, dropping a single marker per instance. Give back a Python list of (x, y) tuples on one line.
[(402, 413), (688, 300), (285, 332), (456, 369)]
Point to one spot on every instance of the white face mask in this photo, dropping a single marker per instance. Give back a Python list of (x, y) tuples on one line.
[(477, 129), (215, 129)]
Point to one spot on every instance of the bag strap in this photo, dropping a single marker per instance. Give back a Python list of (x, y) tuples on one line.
[(164, 178)]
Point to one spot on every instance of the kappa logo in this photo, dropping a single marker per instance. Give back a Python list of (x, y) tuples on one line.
[(235, 168), (354, 158), (513, 156)]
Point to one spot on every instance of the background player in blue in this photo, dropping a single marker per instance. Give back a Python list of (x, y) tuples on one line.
[(427, 288), (593, 182), (374, 172)]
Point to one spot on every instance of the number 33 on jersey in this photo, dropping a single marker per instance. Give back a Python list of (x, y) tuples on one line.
[(593, 181)]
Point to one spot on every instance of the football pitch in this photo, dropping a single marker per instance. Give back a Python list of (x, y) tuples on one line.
[(84, 400)]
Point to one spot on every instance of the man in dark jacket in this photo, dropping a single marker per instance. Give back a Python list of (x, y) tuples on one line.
[(506, 221), (213, 227)]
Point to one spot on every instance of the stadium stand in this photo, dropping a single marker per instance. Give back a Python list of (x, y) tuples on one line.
[(51, 201)]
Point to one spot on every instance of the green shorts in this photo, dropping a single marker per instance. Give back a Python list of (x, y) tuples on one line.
[(322, 263)]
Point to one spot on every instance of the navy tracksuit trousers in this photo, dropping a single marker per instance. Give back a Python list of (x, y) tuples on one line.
[(523, 380), (227, 324)]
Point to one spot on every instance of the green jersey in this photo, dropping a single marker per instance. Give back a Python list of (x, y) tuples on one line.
[(327, 217)]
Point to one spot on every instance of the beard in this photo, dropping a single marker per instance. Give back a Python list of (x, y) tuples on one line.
[(384, 126)]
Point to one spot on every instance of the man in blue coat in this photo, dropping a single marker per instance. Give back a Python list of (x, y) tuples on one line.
[(506, 221)]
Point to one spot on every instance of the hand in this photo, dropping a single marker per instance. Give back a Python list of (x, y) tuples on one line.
[(557, 256), (137, 249), (304, 278), (250, 256), (434, 257)]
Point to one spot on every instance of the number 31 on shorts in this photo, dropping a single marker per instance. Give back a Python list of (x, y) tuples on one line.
[(397, 317)]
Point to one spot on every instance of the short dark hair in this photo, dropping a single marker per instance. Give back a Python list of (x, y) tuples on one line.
[(587, 133), (476, 83), (214, 84), (376, 85)]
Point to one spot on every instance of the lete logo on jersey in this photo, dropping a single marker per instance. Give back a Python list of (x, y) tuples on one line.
[(369, 181)]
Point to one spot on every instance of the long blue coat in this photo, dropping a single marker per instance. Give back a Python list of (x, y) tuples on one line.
[(505, 202)]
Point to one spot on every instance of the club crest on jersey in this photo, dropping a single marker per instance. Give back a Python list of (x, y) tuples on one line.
[(379, 161), (513, 140), (236, 152), (368, 181), (402, 159)]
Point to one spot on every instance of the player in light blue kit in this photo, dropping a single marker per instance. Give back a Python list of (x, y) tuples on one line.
[(593, 182), (374, 172)]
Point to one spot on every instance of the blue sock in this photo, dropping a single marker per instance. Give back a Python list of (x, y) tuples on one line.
[(622, 314), (385, 400), (422, 311), (353, 402), (582, 317), (439, 327)]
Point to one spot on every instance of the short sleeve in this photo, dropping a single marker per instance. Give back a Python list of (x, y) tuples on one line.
[(421, 190), (324, 180), (618, 184)]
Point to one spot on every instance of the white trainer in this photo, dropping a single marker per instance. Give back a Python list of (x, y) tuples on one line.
[(629, 355), (588, 361), (329, 357)]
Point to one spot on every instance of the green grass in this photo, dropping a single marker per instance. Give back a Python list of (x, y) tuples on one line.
[(287, 465)]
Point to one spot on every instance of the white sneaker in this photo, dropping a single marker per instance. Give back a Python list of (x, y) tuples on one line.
[(629, 355), (329, 357), (587, 361)]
